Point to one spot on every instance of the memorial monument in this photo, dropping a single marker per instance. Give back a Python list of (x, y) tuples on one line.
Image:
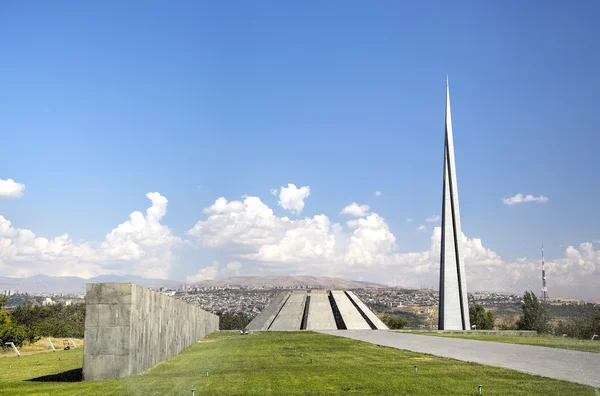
[(454, 306), (316, 310)]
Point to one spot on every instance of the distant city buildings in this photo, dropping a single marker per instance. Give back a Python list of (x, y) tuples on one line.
[(252, 300)]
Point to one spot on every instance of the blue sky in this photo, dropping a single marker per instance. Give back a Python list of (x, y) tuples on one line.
[(101, 103)]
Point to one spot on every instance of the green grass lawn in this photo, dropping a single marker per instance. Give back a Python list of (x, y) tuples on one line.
[(539, 340), (286, 363)]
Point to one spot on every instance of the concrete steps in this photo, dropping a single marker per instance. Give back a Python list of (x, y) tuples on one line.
[(316, 310), (290, 316)]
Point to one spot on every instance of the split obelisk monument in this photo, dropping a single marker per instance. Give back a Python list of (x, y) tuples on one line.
[(454, 306)]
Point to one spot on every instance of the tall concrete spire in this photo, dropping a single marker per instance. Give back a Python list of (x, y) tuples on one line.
[(454, 307)]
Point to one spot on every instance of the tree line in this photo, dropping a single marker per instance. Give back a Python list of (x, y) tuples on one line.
[(537, 316), (29, 322)]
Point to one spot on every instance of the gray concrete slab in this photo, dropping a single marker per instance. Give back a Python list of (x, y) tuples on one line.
[(266, 317), (352, 318), (320, 314), (363, 307), (562, 364), (290, 316)]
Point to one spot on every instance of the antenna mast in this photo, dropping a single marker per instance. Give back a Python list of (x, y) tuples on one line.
[(544, 286)]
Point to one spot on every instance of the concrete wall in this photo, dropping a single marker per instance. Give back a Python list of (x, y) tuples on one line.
[(129, 329)]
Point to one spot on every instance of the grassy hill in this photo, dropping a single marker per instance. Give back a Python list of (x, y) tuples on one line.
[(286, 363)]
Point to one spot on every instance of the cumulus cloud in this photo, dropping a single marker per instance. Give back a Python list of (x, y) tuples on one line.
[(212, 272), (421, 228), (247, 231), (292, 198), (11, 189), (356, 210), (140, 245), (207, 273), (365, 247), (144, 240), (433, 219), (520, 198), (255, 233), (378, 193)]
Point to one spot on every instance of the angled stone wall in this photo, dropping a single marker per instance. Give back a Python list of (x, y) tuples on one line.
[(129, 329)]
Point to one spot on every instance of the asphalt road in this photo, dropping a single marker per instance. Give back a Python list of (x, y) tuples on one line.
[(562, 364)]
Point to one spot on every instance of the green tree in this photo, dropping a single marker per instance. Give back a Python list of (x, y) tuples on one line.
[(394, 322), (233, 321), (535, 316), (13, 333), (10, 332), (51, 320), (482, 319)]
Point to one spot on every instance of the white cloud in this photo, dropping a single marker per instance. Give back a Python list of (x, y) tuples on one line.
[(6, 228), (292, 198), (356, 210), (274, 191), (255, 233), (140, 245), (248, 232), (520, 198), (409, 220), (144, 240), (366, 248), (11, 189), (207, 273), (421, 228), (378, 193), (212, 272), (232, 269), (433, 219)]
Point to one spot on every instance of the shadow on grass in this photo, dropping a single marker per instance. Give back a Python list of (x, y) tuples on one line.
[(75, 375)]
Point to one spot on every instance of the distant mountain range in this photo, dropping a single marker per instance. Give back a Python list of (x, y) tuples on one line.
[(73, 284), (290, 281)]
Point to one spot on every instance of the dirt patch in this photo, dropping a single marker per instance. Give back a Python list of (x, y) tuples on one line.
[(208, 340)]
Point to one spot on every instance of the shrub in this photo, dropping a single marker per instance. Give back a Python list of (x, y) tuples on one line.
[(394, 322)]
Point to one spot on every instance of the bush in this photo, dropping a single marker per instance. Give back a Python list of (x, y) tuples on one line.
[(583, 328), (235, 321), (394, 322), (508, 326)]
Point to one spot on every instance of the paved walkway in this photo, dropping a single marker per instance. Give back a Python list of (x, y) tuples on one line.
[(562, 364)]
